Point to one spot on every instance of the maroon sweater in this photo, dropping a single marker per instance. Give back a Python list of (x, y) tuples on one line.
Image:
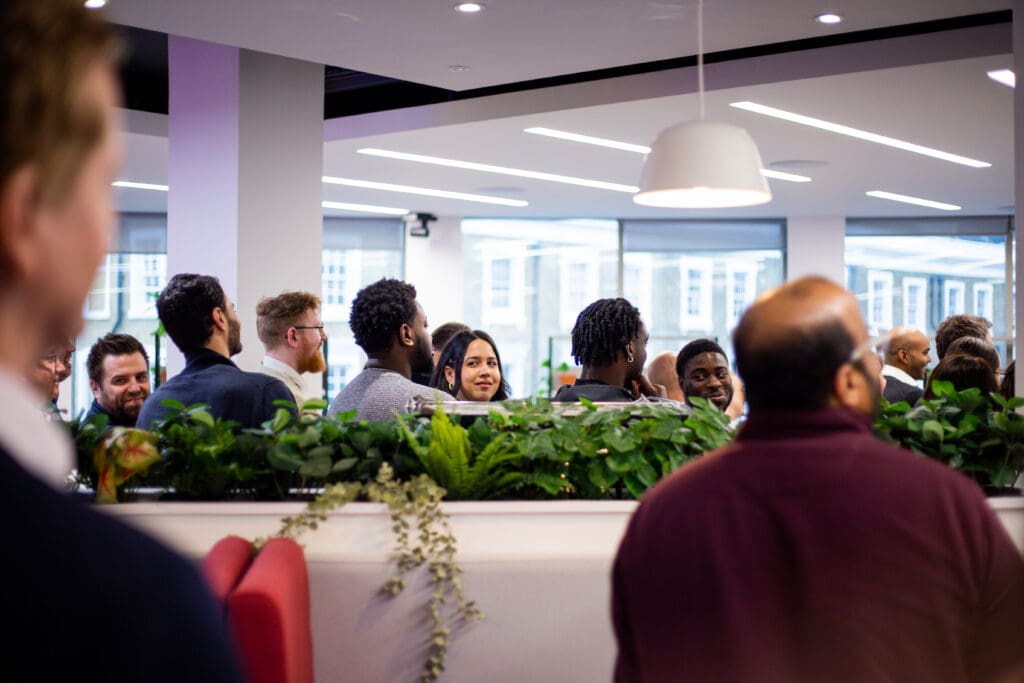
[(808, 550)]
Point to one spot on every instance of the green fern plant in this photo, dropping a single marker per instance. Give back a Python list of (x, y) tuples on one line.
[(448, 456)]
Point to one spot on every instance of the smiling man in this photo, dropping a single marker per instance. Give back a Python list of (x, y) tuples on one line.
[(703, 371), (118, 367)]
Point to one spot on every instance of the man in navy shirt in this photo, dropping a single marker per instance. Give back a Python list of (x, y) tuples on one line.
[(85, 597), (201, 320)]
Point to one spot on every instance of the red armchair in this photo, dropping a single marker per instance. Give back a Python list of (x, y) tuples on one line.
[(268, 612)]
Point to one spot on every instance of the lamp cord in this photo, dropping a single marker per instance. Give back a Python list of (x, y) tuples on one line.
[(700, 55)]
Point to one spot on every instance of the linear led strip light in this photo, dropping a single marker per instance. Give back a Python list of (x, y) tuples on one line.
[(501, 170), (341, 206), (857, 133), (364, 208), (425, 191), (640, 149), (917, 201)]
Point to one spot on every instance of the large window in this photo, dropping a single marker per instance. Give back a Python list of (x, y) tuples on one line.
[(689, 279), (535, 278), (703, 275), (122, 299), (356, 253), (915, 272)]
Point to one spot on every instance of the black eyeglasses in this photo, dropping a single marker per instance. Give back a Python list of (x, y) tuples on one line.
[(309, 327)]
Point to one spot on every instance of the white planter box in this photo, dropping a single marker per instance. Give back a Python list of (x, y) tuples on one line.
[(539, 571)]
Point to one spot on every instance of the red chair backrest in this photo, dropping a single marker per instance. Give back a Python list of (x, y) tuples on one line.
[(225, 564), (269, 615)]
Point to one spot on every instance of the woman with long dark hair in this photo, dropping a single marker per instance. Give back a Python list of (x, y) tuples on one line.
[(470, 368)]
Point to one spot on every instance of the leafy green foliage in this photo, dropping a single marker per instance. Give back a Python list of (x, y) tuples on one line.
[(478, 468), (983, 436)]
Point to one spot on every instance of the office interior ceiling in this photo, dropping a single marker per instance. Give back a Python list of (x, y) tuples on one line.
[(512, 40), (947, 104)]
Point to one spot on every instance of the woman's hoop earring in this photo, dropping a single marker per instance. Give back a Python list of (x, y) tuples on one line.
[(451, 386)]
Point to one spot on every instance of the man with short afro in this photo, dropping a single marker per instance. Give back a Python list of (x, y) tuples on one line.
[(610, 341), (391, 327)]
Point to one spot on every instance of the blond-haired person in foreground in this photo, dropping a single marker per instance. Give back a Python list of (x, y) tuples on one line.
[(86, 598)]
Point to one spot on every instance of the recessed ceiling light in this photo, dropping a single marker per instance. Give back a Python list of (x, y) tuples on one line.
[(829, 18), (502, 170), (860, 134), (95, 4), (779, 175), (917, 201), (640, 149), (364, 208), (1004, 76), (469, 7), (139, 186), (458, 68), (425, 191)]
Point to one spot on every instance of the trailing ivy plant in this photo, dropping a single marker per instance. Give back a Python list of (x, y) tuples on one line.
[(982, 436), (428, 541)]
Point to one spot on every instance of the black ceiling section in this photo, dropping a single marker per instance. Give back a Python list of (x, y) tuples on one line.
[(347, 92)]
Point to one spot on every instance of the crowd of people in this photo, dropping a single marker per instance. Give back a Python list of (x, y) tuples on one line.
[(805, 550), (407, 364)]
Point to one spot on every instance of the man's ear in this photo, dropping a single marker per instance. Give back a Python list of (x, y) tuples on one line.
[(630, 350), (20, 250), (220, 319), (405, 335), (846, 385), (95, 389)]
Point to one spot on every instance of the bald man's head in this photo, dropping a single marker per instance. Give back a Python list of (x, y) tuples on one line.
[(908, 349), (662, 370), (792, 341)]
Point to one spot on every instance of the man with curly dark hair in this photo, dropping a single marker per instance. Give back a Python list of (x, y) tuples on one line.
[(610, 341), (391, 327)]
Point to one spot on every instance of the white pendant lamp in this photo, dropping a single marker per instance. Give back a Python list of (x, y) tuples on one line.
[(702, 164)]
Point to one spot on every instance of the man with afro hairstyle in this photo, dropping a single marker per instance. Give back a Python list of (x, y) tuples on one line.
[(391, 327), (610, 341)]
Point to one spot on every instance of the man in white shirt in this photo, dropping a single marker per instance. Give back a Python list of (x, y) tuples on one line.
[(907, 356), (293, 335)]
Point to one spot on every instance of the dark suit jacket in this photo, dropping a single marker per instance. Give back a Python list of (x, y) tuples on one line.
[(88, 599), (232, 394), (896, 391)]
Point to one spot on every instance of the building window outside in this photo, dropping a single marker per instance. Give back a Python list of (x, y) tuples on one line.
[(695, 276), (953, 298), (915, 302), (742, 283), (879, 317), (97, 301), (147, 274), (579, 280), (939, 267), (983, 300)]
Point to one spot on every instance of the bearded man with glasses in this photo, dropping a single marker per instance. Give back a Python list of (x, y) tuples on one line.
[(293, 335)]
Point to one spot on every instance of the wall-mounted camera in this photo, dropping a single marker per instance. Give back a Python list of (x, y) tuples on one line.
[(418, 223)]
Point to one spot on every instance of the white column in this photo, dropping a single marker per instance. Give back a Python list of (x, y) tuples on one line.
[(245, 138), (814, 246), (434, 266), (1018, 184)]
